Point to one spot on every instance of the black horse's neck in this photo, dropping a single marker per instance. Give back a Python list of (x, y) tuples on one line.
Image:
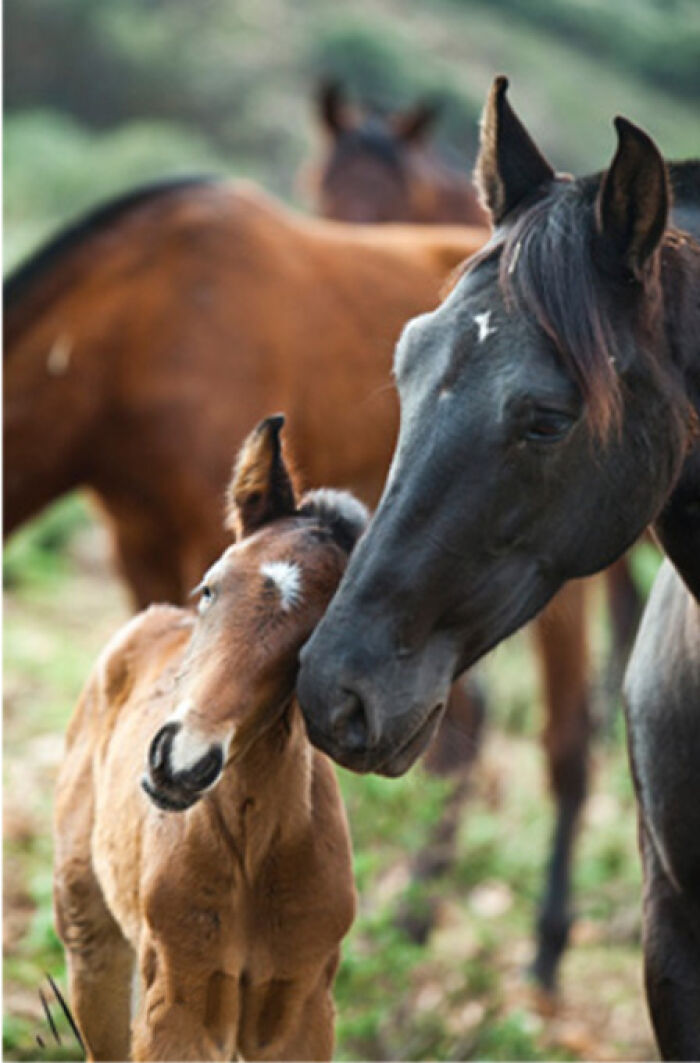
[(678, 525)]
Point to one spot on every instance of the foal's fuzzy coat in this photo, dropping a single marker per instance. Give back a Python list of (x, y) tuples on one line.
[(235, 906)]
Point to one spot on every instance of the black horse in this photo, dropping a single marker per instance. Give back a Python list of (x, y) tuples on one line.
[(549, 413)]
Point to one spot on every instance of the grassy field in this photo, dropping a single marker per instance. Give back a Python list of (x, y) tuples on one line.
[(464, 994)]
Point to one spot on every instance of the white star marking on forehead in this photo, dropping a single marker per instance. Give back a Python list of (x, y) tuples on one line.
[(482, 322), (286, 575)]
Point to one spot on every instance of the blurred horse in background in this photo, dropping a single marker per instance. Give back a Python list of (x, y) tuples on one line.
[(142, 341), (378, 167)]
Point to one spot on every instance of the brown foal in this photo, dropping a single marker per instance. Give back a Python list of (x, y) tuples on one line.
[(232, 885)]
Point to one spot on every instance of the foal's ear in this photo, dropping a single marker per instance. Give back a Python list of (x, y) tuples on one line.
[(412, 125), (509, 165), (633, 200), (332, 107), (261, 488)]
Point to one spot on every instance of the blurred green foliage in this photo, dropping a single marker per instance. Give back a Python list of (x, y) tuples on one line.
[(37, 552), (658, 40), (101, 96)]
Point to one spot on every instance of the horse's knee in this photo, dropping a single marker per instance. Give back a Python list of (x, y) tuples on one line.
[(83, 921), (166, 1030), (568, 769)]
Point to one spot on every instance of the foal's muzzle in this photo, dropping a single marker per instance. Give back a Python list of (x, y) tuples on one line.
[(175, 790)]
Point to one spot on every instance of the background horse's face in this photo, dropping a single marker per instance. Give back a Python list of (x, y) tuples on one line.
[(365, 176), (513, 472)]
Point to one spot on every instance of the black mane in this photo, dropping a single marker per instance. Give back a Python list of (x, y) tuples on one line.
[(94, 221)]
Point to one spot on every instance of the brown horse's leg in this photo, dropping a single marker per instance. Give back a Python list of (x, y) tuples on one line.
[(450, 755), (149, 565), (457, 741), (563, 656), (100, 961), (157, 563)]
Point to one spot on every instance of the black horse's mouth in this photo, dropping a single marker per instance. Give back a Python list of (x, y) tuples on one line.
[(398, 763), (168, 802), (391, 765)]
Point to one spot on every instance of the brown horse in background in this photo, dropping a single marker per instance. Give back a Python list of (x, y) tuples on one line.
[(141, 343), (233, 885), (378, 167)]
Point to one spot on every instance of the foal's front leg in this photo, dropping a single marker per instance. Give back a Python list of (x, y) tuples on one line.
[(189, 1006)]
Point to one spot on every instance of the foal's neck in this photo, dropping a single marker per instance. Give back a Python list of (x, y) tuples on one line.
[(264, 798)]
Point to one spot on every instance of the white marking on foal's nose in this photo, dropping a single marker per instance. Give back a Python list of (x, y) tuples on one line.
[(187, 749), (482, 323), (286, 575)]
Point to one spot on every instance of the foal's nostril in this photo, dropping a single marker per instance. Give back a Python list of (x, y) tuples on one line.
[(206, 770), (159, 750)]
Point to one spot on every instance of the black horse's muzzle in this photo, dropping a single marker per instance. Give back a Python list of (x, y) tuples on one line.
[(174, 790), (370, 714)]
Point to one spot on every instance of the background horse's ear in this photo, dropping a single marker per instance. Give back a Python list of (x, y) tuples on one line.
[(332, 108), (412, 125), (633, 201), (339, 511), (509, 166), (261, 488)]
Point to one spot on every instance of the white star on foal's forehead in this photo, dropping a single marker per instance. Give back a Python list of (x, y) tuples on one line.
[(286, 575), (482, 323)]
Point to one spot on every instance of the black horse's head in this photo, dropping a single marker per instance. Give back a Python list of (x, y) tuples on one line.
[(543, 424)]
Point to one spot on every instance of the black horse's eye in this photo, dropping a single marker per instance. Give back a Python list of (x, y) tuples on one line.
[(548, 426)]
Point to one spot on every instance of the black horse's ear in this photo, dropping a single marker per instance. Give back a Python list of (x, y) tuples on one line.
[(412, 125), (633, 200), (332, 108), (509, 166), (261, 488)]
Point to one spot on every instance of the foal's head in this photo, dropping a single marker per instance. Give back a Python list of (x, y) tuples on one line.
[(365, 176), (257, 605)]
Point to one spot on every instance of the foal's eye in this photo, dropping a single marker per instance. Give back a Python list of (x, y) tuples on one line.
[(206, 597), (548, 426)]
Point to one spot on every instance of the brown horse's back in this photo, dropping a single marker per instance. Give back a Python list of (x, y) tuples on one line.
[(180, 323)]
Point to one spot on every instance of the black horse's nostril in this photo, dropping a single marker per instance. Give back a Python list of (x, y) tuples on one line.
[(351, 724), (206, 770), (159, 750)]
